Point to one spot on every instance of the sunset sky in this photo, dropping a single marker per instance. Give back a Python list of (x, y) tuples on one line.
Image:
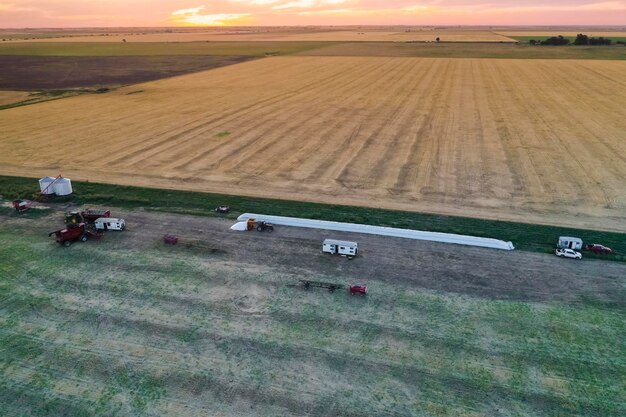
[(91, 13)]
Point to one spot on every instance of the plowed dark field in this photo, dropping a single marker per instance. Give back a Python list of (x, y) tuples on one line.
[(59, 72)]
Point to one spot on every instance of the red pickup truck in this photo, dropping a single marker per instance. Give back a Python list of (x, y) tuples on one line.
[(599, 249)]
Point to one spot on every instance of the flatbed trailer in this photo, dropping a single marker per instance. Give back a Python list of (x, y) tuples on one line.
[(320, 284)]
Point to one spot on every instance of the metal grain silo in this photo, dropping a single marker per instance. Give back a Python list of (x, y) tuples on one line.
[(63, 186), (45, 187)]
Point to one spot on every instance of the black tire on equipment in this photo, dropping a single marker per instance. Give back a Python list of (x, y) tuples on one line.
[(83, 238), (67, 243), (259, 228)]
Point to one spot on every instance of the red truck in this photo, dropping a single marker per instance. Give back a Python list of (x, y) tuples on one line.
[(599, 249), (78, 231)]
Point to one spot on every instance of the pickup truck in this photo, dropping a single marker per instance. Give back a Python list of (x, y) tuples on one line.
[(599, 249)]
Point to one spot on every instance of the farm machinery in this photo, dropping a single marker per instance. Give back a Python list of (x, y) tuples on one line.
[(86, 216), (353, 289), (75, 232), (260, 226), (21, 205), (82, 226)]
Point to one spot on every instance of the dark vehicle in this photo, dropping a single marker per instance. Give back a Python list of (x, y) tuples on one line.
[(264, 227), (222, 209), (170, 239), (599, 249)]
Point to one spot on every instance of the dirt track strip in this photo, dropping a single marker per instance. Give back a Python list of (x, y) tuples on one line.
[(524, 140)]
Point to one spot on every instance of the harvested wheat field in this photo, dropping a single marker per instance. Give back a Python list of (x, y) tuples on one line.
[(370, 35), (527, 140), (10, 97)]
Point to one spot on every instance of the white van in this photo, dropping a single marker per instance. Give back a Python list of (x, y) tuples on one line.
[(110, 223), (340, 247)]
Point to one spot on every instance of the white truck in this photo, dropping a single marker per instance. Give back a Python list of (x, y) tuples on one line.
[(110, 223), (340, 247)]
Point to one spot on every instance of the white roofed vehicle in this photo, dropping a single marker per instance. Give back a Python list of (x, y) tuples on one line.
[(568, 253), (110, 223), (340, 247)]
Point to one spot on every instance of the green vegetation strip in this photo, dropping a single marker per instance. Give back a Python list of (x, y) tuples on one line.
[(527, 237), (491, 50), (157, 48)]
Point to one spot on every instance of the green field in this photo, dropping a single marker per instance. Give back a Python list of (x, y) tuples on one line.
[(467, 50), (171, 331), (157, 48), (528, 237)]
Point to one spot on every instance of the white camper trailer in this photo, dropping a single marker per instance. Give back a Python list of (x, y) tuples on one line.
[(110, 223), (566, 242), (340, 247)]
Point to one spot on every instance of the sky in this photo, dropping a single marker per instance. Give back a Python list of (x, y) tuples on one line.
[(116, 13)]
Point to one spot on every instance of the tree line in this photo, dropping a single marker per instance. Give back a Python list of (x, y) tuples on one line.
[(581, 39)]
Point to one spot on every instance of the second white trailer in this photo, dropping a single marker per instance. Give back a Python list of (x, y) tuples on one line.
[(340, 247), (110, 223)]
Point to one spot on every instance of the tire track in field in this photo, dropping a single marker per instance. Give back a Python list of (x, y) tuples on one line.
[(526, 181), (596, 127), (419, 150), (155, 144), (169, 141), (240, 152), (348, 171), (387, 165), (259, 116), (326, 137), (218, 122), (278, 147), (554, 111), (495, 180), (326, 169), (465, 139), (291, 164), (543, 135)]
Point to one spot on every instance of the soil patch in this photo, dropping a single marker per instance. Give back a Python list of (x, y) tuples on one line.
[(54, 72)]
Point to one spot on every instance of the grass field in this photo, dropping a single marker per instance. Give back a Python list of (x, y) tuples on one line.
[(528, 141), (174, 331), (156, 48), (526, 237), (469, 50)]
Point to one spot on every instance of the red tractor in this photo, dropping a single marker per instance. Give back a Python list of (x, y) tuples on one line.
[(77, 231)]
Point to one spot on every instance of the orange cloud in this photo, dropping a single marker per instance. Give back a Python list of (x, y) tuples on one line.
[(194, 16)]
